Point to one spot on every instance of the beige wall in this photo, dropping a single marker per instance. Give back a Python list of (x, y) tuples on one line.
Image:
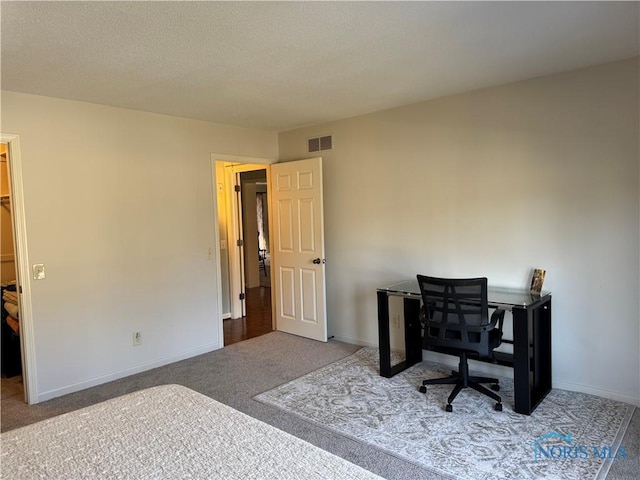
[(119, 209), (542, 173)]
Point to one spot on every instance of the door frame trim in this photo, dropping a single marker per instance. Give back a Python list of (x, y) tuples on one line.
[(240, 164), (27, 339)]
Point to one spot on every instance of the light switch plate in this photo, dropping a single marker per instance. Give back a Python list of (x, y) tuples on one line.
[(38, 271)]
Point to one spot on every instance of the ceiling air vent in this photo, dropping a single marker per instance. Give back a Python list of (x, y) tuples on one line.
[(318, 144)]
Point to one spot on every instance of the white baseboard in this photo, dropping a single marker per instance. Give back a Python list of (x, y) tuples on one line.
[(92, 382), (575, 387), (226, 315), (502, 371), (353, 341)]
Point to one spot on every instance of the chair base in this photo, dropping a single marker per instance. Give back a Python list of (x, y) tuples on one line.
[(464, 380)]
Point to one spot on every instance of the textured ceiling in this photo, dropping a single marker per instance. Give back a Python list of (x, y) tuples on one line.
[(282, 65)]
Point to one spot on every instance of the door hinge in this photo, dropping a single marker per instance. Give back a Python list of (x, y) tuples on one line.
[(236, 188), (240, 243), (241, 296)]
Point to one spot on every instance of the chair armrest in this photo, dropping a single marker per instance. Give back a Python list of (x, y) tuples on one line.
[(497, 317)]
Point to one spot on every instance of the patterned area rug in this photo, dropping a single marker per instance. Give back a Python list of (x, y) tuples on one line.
[(569, 436)]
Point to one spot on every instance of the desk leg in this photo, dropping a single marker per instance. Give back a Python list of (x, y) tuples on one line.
[(383, 335), (541, 353), (412, 335), (532, 356), (521, 360), (412, 331)]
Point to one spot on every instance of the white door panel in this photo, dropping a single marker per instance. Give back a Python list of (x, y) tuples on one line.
[(287, 292), (285, 225), (298, 260)]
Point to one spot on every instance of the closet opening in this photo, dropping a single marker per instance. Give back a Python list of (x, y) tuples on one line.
[(11, 361)]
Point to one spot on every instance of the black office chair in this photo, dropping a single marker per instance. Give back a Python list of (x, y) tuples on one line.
[(456, 321)]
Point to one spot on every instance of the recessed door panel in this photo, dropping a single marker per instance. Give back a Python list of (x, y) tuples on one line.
[(306, 222), (283, 182), (308, 288), (287, 292), (285, 225), (305, 180)]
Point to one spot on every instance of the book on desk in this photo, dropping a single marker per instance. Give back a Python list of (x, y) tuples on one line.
[(537, 279)]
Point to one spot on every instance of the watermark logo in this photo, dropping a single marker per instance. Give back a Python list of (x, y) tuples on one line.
[(555, 446)]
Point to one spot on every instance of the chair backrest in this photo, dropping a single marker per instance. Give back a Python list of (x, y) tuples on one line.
[(456, 314)]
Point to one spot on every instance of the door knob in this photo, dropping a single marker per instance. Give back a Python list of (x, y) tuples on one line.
[(318, 261)]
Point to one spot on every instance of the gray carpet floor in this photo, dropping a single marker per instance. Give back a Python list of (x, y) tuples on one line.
[(235, 374)]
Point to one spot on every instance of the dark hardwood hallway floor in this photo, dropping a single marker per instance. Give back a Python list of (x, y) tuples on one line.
[(257, 321)]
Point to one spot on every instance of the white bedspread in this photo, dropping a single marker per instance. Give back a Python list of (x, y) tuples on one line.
[(164, 432)]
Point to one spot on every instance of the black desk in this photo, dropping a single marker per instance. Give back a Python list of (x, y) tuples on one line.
[(531, 358)]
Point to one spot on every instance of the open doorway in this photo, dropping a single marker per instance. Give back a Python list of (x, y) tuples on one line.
[(12, 383), (254, 251), (245, 253)]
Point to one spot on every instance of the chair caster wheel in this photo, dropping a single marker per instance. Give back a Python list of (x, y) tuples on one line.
[(449, 408), (422, 389), (498, 407), (495, 387)]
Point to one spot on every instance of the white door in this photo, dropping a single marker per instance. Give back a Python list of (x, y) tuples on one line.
[(298, 264)]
